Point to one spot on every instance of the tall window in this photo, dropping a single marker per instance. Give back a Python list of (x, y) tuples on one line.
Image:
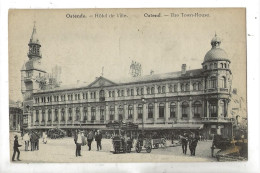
[(195, 87), (128, 92), (161, 110), (187, 87), (130, 112), (172, 110), (122, 93), (222, 82), (159, 89), (137, 91), (150, 110), (43, 115), (197, 109), (62, 114), (120, 112), (199, 86), (37, 116), (77, 114), (175, 88), (113, 93), (213, 109), (85, 112), (70, 114), (221, 64), (222, 108), (215, 65), (170, 88), (109, 94), (111, 112), (185, 108), (93, 113), (152, 90), (182, 87), (211, 66), (49, 115), (148, 90), (140, 111), (102, 113), (56, 115), (163, 89), (132, 92), (213, 82), (101, 93), (142, 91)]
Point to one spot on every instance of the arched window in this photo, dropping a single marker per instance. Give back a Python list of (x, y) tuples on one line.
[(161, 110), (225, 65), (182, 87), (187, 87), (109, 93), (199, 86), (76, 96), (130, 112), (152, 90), (175, 88), (120, 112), (185, 109), (113, 93), (142, 91), (122, 93), (172, 110), (101, 94), (215, 65), (93, 113), (70, 114), (137, 91), (213, 109), (159, 89), (102, 113), (62, 114), (77, 114), (170, 88), (49, 115), (118, 93), (195, 88), (211, 66), (56, 115), (43, 115), (111, 112), (85, 112), (128, 92), (213, 82), (132, 92), (222, 82), (140, 111), (221, 64), (163, 89), (37, 116), (197, 107), (222, 108), (148, 90), (150, 110)]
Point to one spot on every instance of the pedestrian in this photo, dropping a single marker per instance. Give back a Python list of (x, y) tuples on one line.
[(44, 138), (90, 138), (184, 142), (98, 139), (16, 149), (26, 139), (193, 141), (78, 142), (32, 141)]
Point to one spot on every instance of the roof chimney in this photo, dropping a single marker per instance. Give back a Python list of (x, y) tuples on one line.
[(183, 69)]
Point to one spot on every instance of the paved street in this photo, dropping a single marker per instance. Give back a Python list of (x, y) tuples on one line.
[(63, 150)]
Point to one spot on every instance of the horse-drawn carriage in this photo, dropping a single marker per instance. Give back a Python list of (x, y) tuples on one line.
[(121, 142), (56, 133)]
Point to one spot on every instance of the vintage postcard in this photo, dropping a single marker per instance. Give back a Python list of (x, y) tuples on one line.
[(127, 85)]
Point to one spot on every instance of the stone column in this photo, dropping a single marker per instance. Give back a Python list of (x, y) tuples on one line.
[(179, 87), (145, 90), (89, 112), (73, 114), (155, 112), (40, 116), (207, 109), (125, 111), (178, 107), (98, 113), (167, 112), (66, 115), (116, 112), (190, 110), (52, 115), (135, 107), (145, 112), (107, 113), (34, 117), (59, 115), (46, 116), (81, 113)]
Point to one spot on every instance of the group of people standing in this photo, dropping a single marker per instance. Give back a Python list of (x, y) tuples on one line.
[(33, 139), (80, 140), (191, 140)]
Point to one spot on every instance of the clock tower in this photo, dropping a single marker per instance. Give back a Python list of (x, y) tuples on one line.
[(31, 72)]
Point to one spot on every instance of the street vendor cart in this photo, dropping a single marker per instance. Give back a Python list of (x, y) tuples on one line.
[(121, 142)]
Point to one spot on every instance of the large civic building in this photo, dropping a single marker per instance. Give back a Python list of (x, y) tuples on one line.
[(187, 99)]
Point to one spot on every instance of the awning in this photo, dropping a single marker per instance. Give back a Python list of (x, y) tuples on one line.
[(172, 126)]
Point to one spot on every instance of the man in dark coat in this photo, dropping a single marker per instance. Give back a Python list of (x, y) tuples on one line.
[(98, 138), (16, 149), (193, 141), (90, 138), (184, 143)]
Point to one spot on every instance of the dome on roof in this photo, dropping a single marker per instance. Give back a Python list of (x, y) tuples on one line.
[(216, 53)]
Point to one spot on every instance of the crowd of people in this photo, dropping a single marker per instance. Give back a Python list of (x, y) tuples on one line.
[(81, 139)]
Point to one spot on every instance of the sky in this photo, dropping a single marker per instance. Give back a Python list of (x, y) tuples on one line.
[(82, 46)]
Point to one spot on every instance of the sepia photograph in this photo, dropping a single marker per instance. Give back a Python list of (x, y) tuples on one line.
[(127, 85)]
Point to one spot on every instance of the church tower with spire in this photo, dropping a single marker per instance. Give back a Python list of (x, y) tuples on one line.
[(32, 71)]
